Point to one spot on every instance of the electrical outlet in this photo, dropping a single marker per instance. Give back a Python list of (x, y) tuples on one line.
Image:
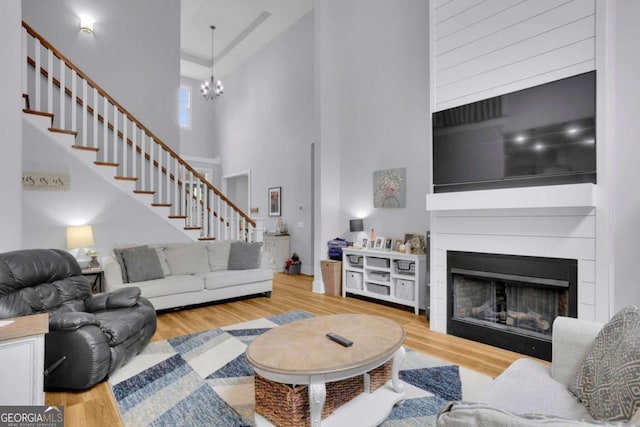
[(300, 224)]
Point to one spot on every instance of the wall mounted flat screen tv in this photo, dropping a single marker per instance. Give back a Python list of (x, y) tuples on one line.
[(543, 135)]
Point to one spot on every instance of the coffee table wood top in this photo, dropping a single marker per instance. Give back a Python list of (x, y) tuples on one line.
[(302, 348)]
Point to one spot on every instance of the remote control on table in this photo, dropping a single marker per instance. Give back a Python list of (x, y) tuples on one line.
[(340, 340)]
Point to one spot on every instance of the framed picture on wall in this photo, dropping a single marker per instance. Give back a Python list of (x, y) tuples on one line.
[(275, 201)]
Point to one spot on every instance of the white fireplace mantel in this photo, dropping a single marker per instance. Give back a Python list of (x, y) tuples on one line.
[(552, 196)]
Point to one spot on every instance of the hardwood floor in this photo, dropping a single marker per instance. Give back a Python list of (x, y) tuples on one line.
[(96, 407)]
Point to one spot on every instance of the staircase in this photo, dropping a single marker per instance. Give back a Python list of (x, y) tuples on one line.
[(62, 101)]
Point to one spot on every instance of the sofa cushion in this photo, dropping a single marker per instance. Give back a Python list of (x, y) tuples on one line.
[(218, 254), (608, 380), (537, 392), (469, 414), (142, 263), (187, 258), (225, 278), (171, 285), (244, 256)]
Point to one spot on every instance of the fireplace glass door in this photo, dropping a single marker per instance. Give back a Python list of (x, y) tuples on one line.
[(526, 305)]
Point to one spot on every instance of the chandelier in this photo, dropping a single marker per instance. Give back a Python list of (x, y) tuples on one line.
[(212, 88)]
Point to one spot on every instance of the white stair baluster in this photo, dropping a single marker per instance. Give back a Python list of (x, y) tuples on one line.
[(63, 95), (23, 42), (36, 59), (105, 129), (161, 186), (85, 112), (116, 156), (74, 95), (134, 150), (94, 143), (125, 145), (49, 81), (143, 160)]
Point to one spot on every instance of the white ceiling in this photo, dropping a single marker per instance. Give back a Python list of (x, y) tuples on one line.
[(242, 28)]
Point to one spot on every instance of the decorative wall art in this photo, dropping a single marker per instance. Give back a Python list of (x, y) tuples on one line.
[(389, 188), (275, 201), (46, 181)]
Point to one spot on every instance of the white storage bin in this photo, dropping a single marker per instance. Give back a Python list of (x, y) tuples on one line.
[(405, 289), (378, 262), (354, 280), (380, 276), (378, 289)]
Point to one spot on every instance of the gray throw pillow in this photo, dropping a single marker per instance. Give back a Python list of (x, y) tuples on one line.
[(117, 252), (142, 264), (244, 256), (608, 379)]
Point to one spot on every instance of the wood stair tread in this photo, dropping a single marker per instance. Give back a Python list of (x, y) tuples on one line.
[(80, 147), (167, 205), (126, 178), (66, 132), (177, 217), (144, 192), (98, 163)]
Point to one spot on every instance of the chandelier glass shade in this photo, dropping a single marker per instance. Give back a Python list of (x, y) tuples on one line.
[(212, 88)]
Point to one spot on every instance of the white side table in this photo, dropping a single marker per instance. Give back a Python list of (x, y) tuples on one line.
[(22, 360)]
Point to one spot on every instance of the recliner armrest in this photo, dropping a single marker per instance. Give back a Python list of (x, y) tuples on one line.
[(121, 298), (71, 321)]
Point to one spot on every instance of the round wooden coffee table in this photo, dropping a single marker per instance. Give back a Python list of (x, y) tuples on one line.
[(300, 353)]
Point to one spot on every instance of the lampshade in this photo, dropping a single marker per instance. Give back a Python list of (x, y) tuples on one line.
[(80, 236), (356, 225)]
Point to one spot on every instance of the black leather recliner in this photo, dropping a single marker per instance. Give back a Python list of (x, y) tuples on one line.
[(90, 336)]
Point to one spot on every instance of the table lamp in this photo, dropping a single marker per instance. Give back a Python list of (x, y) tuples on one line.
[(78, 238), (356, 226)]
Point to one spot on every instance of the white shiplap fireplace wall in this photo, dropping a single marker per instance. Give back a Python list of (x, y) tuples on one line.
[(483, 49)]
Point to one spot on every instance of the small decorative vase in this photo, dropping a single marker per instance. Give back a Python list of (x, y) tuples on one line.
[(93, 263)]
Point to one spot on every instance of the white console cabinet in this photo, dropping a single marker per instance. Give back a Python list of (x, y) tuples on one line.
[(385, 275), (277, 245), (22, 360)]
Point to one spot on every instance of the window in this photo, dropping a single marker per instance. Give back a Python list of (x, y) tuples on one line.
[(185, 107)]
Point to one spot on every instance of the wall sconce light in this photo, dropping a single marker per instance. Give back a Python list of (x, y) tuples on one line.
[(86, 24)]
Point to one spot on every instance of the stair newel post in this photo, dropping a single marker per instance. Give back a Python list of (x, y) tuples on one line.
[(49, 81), (74, 98), (94, 143), (85, 112), (36, 59), (63, 95), (105, 130)]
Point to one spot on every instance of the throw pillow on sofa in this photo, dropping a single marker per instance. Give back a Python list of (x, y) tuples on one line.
[(187, 258), (244, 256), (608, 378), (142, 264), (218, 254)]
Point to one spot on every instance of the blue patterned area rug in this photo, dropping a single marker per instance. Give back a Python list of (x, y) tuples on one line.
[(203, 379)]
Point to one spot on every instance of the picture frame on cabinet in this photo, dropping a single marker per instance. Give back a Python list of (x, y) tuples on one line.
[(387, 243), (275, 201), (396, 244), (365, 241), (379, 243)]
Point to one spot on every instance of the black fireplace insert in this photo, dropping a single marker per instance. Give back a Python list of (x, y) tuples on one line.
[(509, 301)]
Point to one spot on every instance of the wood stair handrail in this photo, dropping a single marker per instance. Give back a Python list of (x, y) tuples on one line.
[(132, 118)]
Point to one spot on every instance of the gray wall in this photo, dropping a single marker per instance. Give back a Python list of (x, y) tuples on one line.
[(373, 111), (265, 124), (11, 104), (626, 209), (199, 140), (134, 52)]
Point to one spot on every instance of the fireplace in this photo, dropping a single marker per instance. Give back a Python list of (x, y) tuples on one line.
[(509, 301)]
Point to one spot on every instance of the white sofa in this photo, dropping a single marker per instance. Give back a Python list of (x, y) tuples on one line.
[(530, 393), (192, 273)]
